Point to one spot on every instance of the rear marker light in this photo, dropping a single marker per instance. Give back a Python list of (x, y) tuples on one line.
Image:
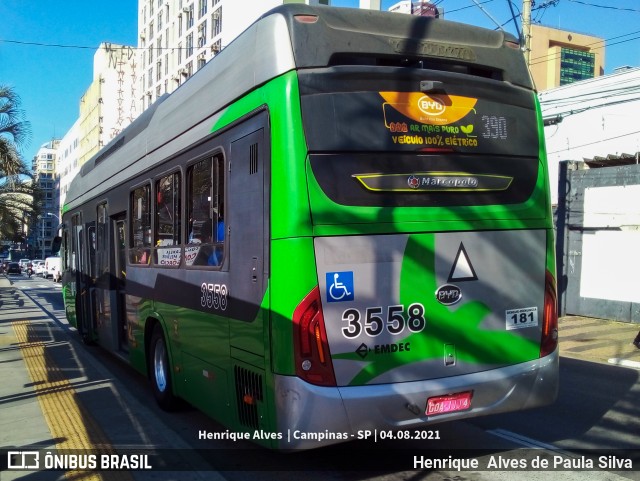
[(311, 347), (549, 339), (306, 18)]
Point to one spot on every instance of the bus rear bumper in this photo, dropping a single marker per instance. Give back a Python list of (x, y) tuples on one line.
[(313, 416)]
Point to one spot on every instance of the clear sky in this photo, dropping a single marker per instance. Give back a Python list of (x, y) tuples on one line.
[(47, 47)]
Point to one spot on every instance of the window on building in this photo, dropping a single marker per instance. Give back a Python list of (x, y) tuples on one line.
[(216, 19), (202, 8), (576, 65), (190, 16), (189, 46), (202, 34)]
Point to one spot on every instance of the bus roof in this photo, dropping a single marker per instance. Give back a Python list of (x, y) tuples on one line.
[(289, 37)]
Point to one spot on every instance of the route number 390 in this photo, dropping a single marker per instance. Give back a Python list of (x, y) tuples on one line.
[(376, 320), (213, 296)]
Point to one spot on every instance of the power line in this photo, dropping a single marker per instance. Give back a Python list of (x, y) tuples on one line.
[(625, 9), (39, 44)]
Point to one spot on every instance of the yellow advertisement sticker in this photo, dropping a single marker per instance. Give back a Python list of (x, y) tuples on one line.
[(434, 109)]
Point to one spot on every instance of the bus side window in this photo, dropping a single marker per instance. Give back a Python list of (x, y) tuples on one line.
[(205, 194), (168, 221), (140, 243)]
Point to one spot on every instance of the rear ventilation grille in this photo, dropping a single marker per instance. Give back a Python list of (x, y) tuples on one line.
[(253, 159), (248, 394)]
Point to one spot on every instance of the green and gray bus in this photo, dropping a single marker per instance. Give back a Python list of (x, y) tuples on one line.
[(341, 223)]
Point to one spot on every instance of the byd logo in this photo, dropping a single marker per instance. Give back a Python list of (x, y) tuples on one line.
[(431, 106)]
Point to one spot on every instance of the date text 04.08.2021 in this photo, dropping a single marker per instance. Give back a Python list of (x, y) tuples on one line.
[(381, 435)]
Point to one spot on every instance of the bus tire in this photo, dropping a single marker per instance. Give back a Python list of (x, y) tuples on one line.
[(160, 371)]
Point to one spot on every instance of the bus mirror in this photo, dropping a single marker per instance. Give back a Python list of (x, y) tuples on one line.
[(55, 245)]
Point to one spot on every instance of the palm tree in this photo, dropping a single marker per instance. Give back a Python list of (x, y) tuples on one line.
[(16, 187)]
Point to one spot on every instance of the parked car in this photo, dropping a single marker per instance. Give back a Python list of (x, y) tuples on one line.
[(38, 267), (53, 268), (14, 268)]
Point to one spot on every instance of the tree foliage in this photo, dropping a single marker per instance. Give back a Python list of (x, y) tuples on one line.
[(16, 185)]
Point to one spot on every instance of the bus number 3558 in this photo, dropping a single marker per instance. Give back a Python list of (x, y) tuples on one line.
[(214, 296), (373, 322)]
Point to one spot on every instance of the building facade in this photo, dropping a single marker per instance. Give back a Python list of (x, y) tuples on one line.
[(42, 228), (109, 104), (559, 57), (583, 124), (68, 159), (176, 38)]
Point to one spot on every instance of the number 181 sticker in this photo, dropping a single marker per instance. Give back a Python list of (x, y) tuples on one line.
[(521, 318)]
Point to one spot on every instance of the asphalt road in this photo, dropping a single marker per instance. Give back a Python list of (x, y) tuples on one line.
[(596, 417)]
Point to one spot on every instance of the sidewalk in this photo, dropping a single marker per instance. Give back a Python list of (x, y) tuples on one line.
[(55, 396), (599, 340)]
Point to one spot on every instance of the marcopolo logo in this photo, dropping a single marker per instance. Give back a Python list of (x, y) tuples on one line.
[(431, 105)]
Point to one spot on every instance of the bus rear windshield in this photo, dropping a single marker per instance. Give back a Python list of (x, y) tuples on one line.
[(407, 137), (386, 109)]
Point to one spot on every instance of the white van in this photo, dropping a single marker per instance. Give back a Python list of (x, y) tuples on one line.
[(53, 268)]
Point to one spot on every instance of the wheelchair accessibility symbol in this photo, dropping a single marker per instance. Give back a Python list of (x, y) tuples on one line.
[(340, 286)]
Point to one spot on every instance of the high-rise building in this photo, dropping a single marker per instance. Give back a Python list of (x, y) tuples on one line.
[(109, 104), (46, 179), (176, 38), (559, 57)]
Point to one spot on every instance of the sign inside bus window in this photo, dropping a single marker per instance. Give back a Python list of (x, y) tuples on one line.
[(440, 121)]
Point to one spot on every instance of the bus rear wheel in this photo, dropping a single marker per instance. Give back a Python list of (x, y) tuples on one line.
[(161, 381)]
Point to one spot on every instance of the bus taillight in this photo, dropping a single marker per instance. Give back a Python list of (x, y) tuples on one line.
[(311, 348), (549, 341)]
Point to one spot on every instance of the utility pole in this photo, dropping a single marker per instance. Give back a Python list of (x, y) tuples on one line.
[(526, 29)]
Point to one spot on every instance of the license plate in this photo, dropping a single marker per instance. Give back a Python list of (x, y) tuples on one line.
[(448, 404)]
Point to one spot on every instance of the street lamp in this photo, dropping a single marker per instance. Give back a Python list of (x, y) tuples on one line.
[(53, 215)]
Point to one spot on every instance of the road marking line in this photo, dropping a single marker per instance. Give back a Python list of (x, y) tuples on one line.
[(68, 420), (528, 442), (624, 362)]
